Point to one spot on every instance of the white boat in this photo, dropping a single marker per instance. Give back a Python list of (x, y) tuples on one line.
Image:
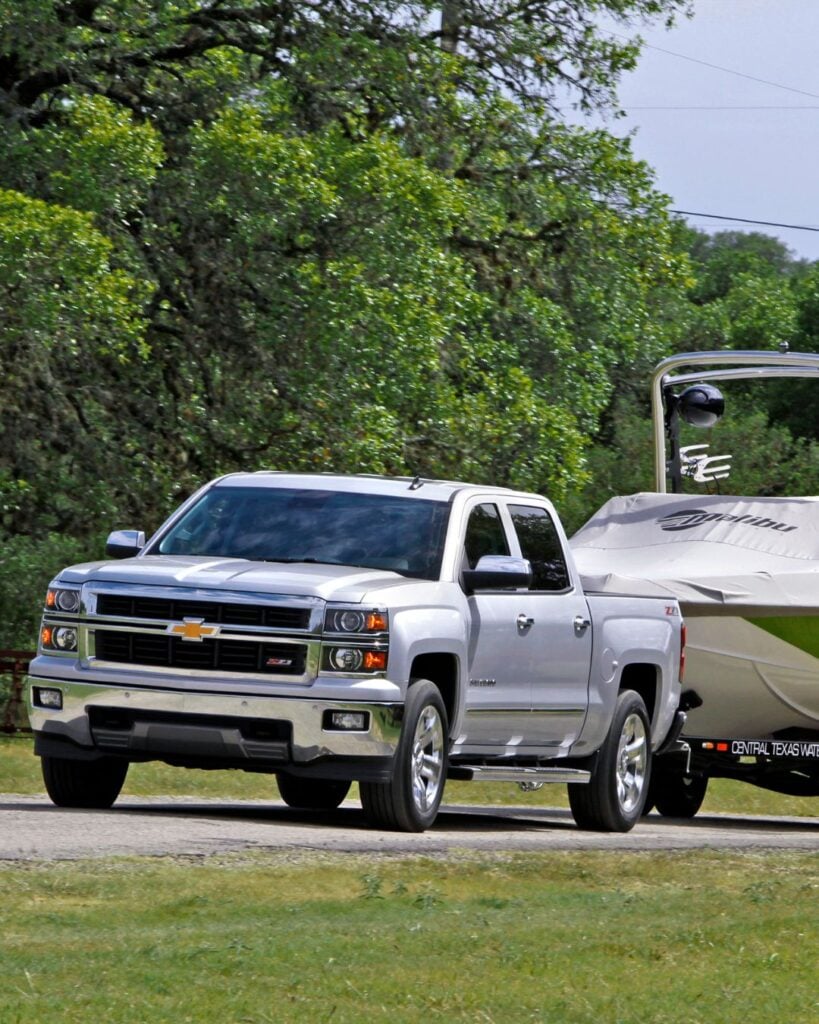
[(746, 573)]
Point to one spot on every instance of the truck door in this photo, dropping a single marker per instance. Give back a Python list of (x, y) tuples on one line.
[(498, 696), (553, 649)]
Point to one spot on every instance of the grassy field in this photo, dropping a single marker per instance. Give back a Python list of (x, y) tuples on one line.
[(20, 773), (572, 938), (298, 937)]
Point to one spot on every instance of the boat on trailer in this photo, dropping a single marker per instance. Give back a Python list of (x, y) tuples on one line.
[(746, 573)]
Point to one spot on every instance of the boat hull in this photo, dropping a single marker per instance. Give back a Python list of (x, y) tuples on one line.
[(753, 682)]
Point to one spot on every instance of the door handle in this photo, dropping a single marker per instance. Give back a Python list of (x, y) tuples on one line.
[(524, 622), (581, 624)]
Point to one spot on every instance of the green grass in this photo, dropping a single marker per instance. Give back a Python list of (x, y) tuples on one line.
[(303, 937), (570, 938), (20, 773)]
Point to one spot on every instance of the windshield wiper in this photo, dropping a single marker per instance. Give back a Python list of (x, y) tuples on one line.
[(316, 561), (296, 561)]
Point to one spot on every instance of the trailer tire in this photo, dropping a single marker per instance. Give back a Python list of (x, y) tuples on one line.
[(311, 794), (614, 798), (675, 794), (87, 784), (409, 801)]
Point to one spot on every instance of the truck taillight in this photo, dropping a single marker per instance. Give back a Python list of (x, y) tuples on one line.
[(683, 636)]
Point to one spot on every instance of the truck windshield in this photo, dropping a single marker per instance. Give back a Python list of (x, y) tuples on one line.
[(278, 524)]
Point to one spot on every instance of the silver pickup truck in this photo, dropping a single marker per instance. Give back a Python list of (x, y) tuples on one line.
[(332, 629)]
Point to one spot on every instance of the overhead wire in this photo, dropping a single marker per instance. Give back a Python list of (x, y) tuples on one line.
[(745, 220), (719, 67), (735, 107), (730, 71), (752, 78)]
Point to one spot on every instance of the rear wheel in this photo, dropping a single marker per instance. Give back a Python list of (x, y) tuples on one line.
[(409, 801), (311, 794), (675, 794), (613, 800), (90, 784)]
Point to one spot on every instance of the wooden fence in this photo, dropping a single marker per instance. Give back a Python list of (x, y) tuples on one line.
[(13, 666)]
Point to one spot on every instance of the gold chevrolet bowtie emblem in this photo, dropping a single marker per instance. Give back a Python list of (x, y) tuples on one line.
[(192, 629)]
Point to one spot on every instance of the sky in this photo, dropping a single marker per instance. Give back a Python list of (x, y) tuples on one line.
[(758, 163)]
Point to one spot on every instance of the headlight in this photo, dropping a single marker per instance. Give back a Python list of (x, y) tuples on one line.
[(340, 619), (59, 638), (354, 659), (65, 638), (62, 600), (356, 639), (346, 659)]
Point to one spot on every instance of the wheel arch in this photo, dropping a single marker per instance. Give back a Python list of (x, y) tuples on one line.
[(441, 668), (643, 679)]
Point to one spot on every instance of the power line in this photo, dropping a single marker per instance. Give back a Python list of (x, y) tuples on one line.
[(729, 71), (718, 67), (745, 220), (712, 107)]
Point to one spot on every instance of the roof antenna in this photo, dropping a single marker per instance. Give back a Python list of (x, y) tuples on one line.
[(416, 483)]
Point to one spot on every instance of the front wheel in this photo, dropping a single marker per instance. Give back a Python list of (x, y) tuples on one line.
[(311, 794), (409, 801), (88, 784), (614, 798)]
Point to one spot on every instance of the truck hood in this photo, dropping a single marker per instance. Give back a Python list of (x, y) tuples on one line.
[(328, 582)]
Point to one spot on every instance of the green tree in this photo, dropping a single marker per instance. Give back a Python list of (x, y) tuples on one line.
[(347, 236), (72, 326)]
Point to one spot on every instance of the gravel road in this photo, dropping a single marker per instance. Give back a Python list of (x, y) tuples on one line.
[(31, 828)]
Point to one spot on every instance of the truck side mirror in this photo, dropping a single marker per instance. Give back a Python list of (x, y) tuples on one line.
[(124, 543), (498, 572)]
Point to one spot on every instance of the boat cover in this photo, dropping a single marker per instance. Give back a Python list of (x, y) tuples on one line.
[(717, 554)]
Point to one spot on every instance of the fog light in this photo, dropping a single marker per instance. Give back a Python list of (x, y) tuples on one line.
[(45, 697), (347, 659), (347, 721)]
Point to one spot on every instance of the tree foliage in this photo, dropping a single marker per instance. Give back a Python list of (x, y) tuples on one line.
[(328, 235), (747, 291), (319, 236), (353, 236)]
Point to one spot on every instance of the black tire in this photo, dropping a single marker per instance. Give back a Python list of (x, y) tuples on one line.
[(409, 802), (675, 794), (89, 784), (613, 800), (312, 794)]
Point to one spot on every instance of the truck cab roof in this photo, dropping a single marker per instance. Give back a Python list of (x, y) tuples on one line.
[(365, 483)]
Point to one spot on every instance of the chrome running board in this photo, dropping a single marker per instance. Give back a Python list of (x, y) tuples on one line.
[(512, 773)]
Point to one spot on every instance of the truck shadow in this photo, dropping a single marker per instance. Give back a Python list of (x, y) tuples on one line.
[(461, 818), (350, 816)]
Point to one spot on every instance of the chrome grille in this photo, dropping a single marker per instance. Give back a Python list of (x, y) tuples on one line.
[(210, 655), (128, 606)]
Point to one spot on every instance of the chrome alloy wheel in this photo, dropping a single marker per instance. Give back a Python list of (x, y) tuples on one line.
[(426, 769), (632, 762)]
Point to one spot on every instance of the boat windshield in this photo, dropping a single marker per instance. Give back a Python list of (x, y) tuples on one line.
[(280, 524)]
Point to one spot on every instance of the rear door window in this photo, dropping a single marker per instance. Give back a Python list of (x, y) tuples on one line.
[(540, 543)]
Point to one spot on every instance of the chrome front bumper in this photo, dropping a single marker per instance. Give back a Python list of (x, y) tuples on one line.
[(189, 728)]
